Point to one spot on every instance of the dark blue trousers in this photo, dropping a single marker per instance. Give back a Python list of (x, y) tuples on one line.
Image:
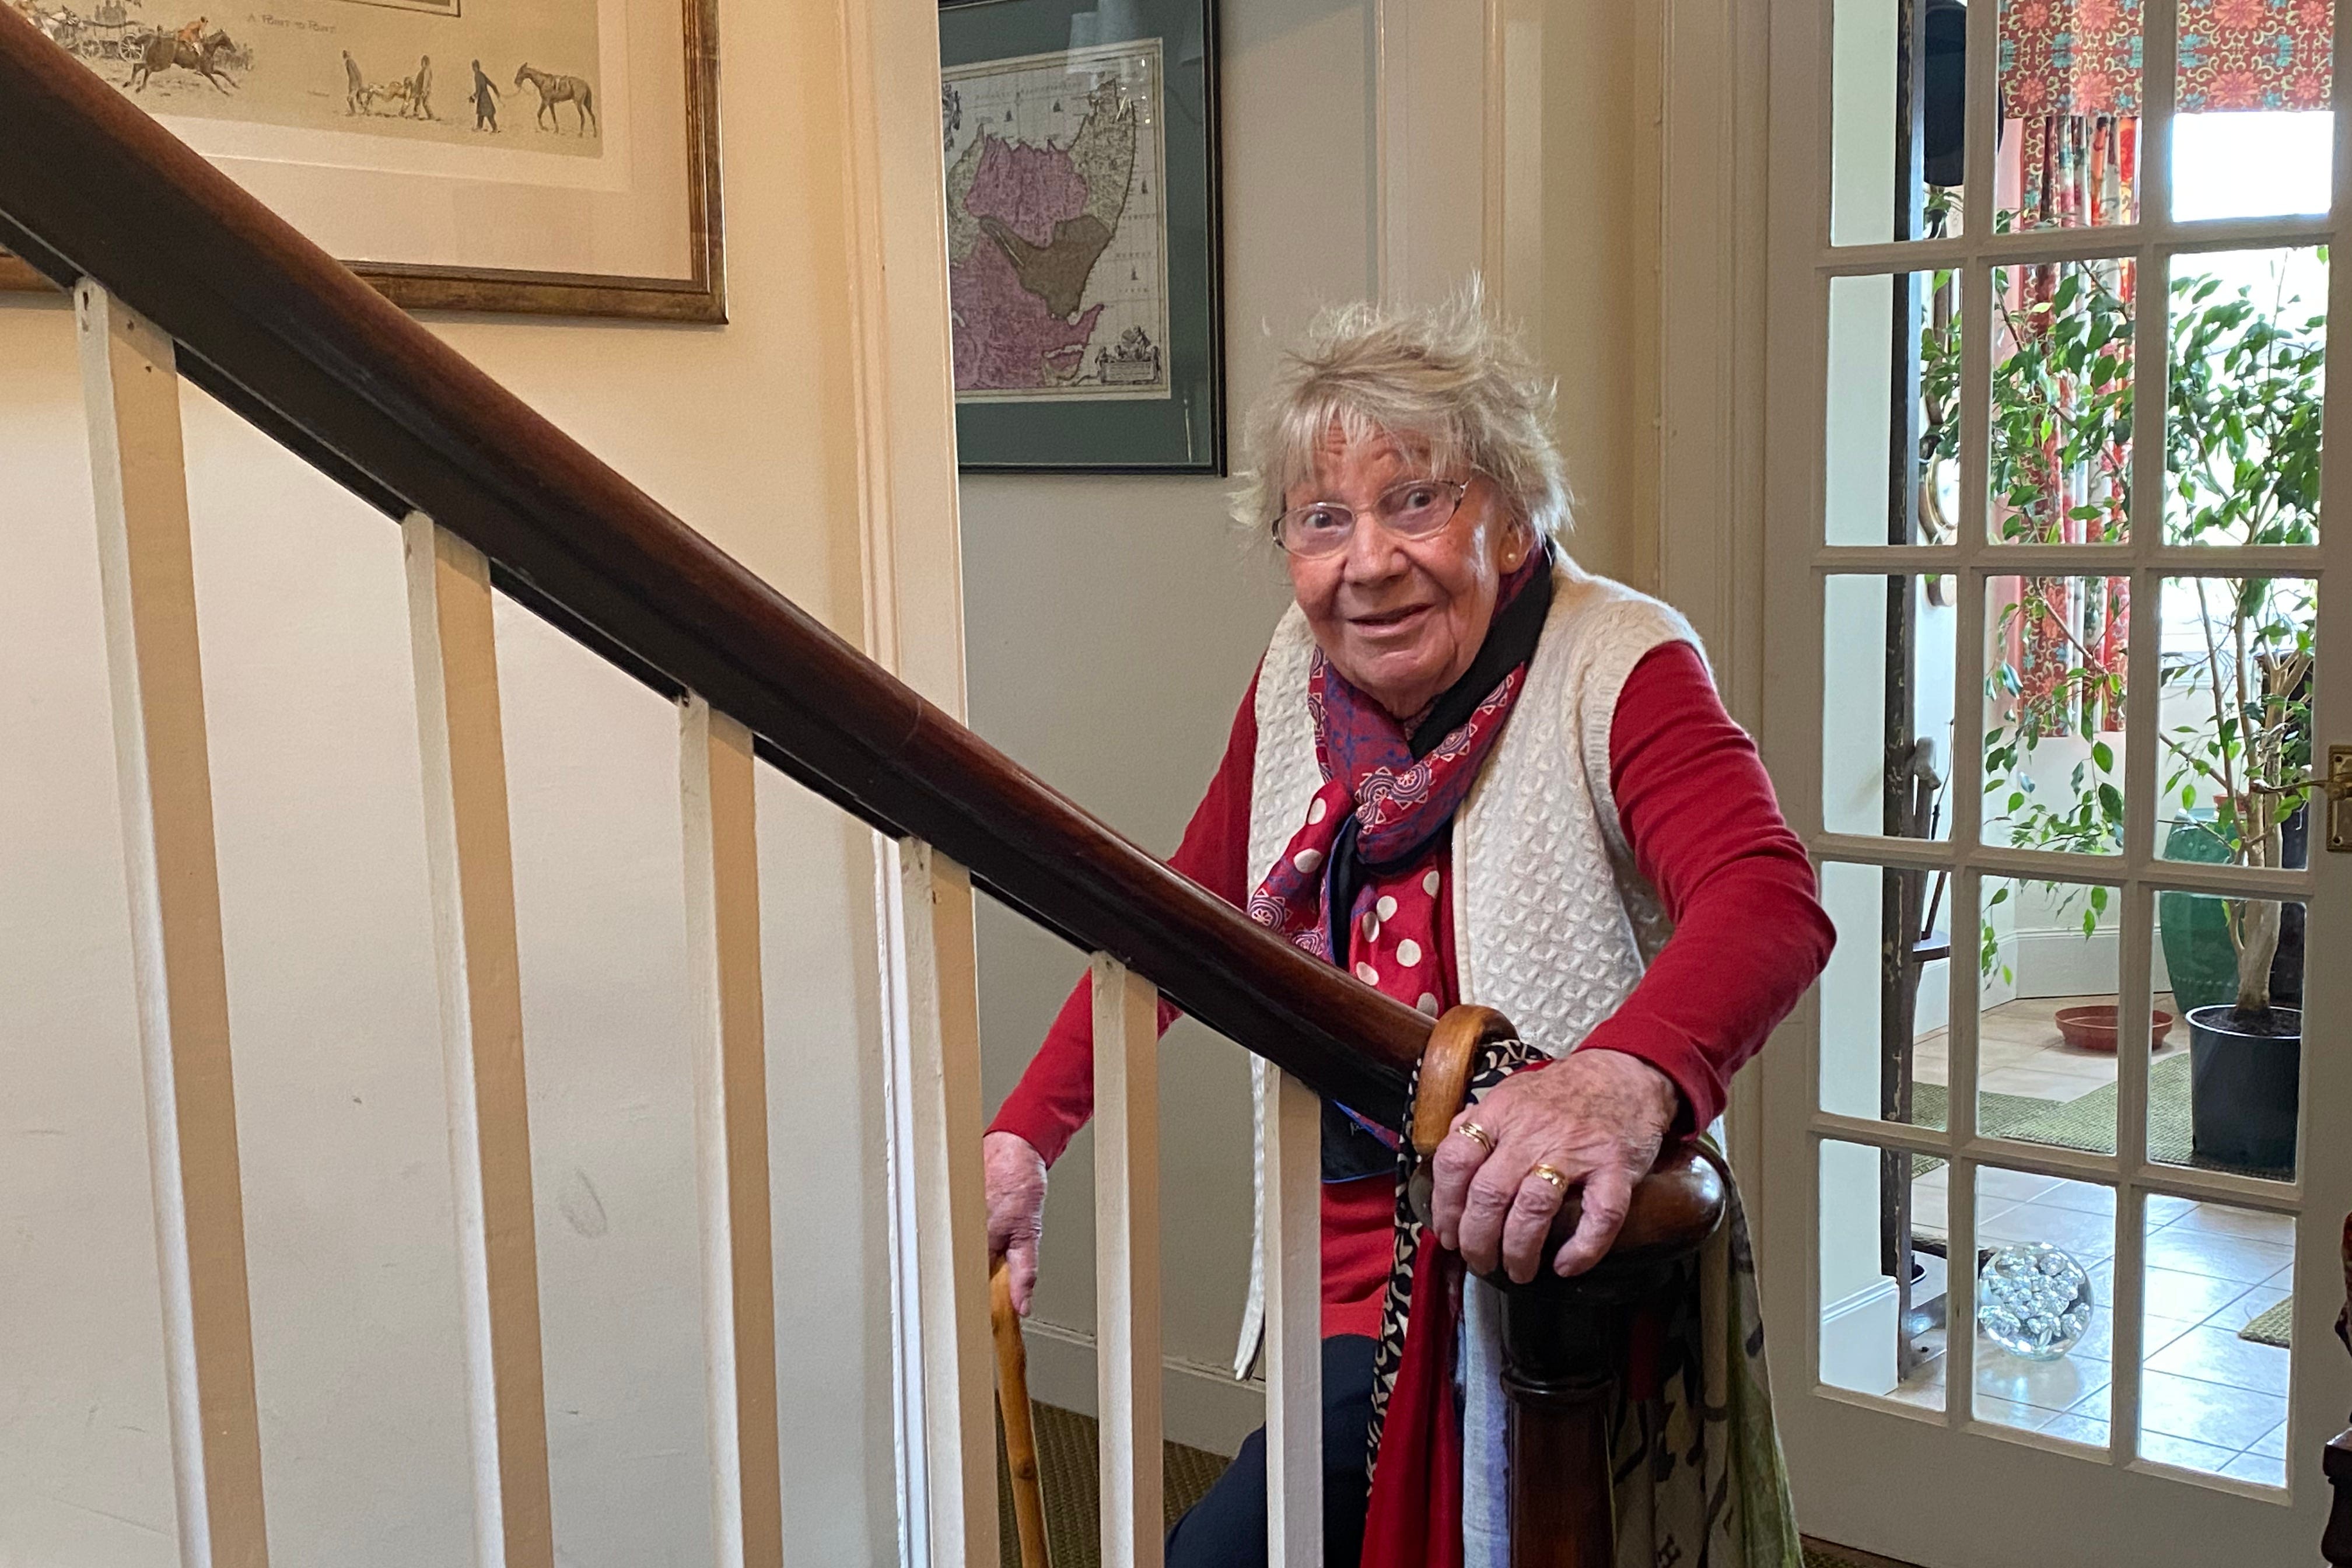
[(1226, 1529)]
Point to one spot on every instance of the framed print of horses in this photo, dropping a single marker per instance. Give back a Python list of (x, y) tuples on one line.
[(1083, 253), (555, 157)]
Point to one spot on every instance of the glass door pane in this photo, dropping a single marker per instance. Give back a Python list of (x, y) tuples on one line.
[(1900, 81)]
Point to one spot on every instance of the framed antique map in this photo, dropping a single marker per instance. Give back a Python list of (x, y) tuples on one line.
[(1083, 244), (551, 157)]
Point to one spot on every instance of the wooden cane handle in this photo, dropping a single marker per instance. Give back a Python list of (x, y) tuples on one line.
[(1020, 1428), (1445, 1066)]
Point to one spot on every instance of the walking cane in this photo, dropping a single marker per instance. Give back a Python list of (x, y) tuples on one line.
[(1020, 1431)]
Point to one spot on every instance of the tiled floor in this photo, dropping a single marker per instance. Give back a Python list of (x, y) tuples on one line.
[(2019, 1051), (2210, 1400)]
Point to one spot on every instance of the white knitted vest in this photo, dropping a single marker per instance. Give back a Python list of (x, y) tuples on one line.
[(1552, 925)]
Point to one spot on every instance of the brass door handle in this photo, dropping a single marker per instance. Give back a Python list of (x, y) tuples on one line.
[(2338, 788), (2336, 784)]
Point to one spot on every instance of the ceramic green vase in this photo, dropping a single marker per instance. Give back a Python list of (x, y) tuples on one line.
[(2196, 951)]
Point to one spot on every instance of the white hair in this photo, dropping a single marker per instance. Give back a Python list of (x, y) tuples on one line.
[(1449, 383)]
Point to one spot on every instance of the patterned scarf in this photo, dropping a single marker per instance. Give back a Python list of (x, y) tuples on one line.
[(1416, 1519), (1388, 797)]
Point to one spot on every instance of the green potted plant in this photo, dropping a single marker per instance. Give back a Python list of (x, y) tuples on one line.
[(2243, 467), (2234, 708)]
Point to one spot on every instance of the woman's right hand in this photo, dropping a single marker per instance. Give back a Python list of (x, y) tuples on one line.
[(1016, 1182)]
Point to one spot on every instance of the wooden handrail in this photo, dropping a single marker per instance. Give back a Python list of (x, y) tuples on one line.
[(276, 329)]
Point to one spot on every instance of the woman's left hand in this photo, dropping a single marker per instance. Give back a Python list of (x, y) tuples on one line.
[(1595, 1116)]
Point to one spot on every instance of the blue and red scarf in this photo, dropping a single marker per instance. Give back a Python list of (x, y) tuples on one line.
[(1390, 793)]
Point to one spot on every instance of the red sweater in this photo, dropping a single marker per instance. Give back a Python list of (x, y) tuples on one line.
[(1707, 833)]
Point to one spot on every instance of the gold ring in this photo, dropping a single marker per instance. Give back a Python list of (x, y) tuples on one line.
[(1558, 1179), (1478, 1135)]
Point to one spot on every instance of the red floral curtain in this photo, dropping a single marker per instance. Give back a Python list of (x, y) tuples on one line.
[(2082, 57), (2068, 647), (2070, 86)]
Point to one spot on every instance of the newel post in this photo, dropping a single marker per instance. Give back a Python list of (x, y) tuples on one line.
[(1565, 1340), (2337, 1545), (1564, 1352)]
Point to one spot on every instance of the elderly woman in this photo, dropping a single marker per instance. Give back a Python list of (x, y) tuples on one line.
[(1469, 772)]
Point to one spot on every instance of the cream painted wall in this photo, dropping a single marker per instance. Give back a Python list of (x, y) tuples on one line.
[(1599, 294), (1113, 624), (746, 433)]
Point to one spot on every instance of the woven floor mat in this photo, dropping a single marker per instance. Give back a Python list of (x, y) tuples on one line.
[(2088, 1124), (1998, 1115), (2275, 1326)]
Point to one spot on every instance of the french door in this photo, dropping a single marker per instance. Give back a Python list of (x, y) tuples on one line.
[(2057, 1154)]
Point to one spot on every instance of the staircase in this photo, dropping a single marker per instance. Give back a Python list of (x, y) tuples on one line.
[(177, 276)]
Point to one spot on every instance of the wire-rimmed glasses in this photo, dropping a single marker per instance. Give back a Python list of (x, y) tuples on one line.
[(1411, 508)]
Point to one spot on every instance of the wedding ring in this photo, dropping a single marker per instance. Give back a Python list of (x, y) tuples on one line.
[(1478, 1135), (1558, 1179)]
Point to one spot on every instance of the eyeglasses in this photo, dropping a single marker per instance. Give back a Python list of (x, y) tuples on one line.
[(1413, 510)]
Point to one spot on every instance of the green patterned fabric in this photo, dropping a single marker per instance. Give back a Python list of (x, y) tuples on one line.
[(1067, 1470), (1701, 1478)]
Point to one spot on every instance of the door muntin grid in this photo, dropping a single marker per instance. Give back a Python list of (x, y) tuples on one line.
[(1975, 558)]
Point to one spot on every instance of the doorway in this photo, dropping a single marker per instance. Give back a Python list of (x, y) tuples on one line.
[(2055, 1162)]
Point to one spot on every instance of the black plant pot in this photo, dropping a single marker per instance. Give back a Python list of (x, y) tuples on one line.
[(2244, 1082)]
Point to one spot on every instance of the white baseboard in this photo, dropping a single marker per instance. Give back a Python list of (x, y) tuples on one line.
[(1202, 1405), (1858, 1340), (2066, 962)]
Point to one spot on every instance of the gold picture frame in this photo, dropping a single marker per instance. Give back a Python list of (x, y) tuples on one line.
[(695, 292)]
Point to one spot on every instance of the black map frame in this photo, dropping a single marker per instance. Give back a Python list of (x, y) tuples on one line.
[(1185, 431)]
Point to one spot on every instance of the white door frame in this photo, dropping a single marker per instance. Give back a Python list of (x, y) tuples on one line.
[(1940, 1488), (1712, 234), (912, 554)]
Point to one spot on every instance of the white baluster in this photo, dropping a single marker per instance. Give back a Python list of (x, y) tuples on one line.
[(1127, 1262), (469, 857), (163, 773), (723, 913), (941, 1078), (1294, 1327)]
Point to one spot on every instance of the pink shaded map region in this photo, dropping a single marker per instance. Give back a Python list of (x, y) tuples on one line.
[(1007, 339), (1030, 189)]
